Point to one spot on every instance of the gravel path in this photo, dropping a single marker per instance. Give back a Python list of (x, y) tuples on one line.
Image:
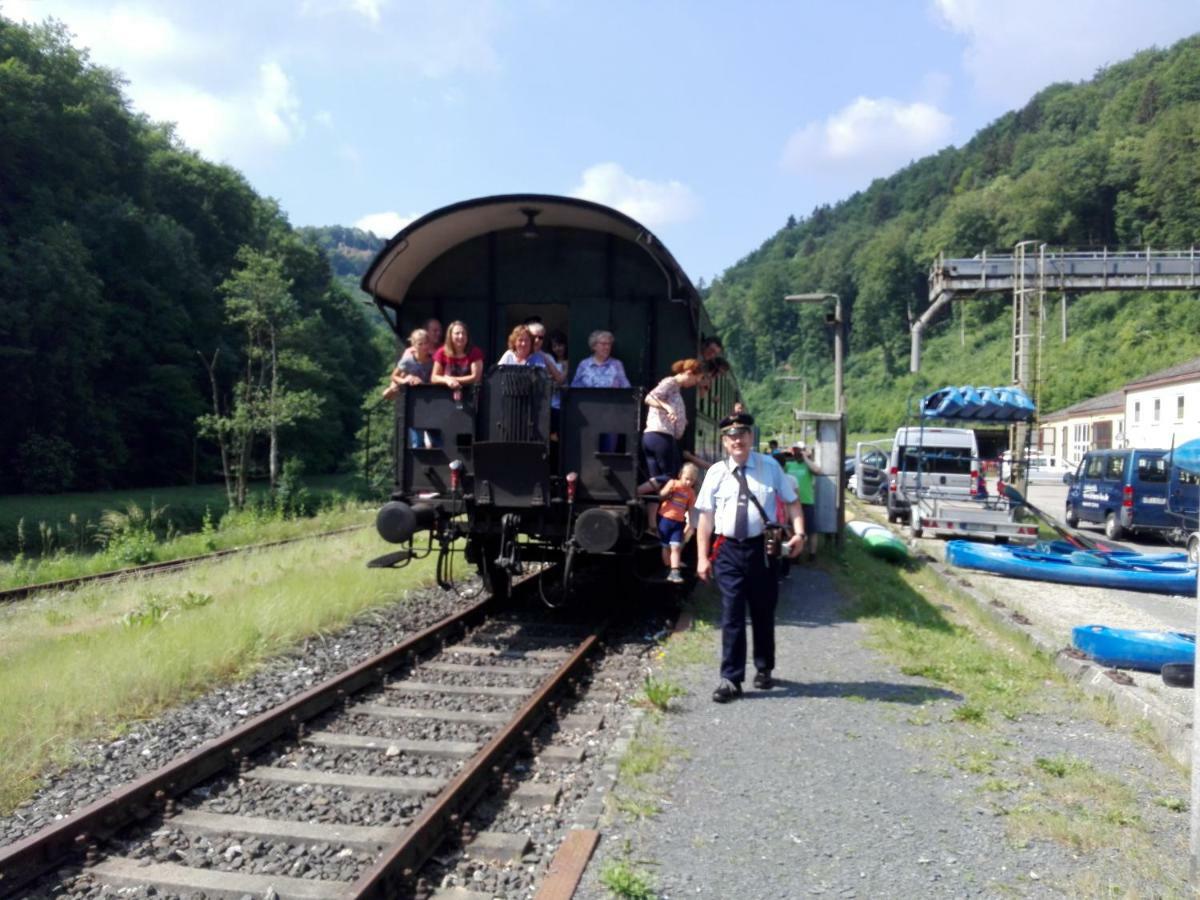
[(850, 779)]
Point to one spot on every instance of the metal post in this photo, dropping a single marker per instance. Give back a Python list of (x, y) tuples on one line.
[(839, 329)]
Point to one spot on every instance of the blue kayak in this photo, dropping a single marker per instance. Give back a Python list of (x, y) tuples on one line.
[(1001, 404), (1058, 561), (1134, 648), (1186, 457)]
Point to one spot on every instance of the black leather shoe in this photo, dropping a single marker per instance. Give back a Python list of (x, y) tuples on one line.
[(763, 680), (726, 691)]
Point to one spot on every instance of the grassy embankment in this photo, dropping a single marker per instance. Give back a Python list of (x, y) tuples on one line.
[(49, 538), (83, 666), (933, 631)]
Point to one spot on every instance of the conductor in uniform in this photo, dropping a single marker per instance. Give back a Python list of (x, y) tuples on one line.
[(746, 578)]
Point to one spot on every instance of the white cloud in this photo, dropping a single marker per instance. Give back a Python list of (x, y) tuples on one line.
[(1017, 47), (869, 137), (433, 39), (653, 203), (384, 224), (121, 36), (371, 10), (235, 127)]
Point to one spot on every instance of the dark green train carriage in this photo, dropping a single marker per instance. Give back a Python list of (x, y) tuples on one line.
[(495, 474)]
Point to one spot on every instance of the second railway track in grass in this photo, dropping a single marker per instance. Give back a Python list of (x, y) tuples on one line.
[(11, 595), (348, 789)]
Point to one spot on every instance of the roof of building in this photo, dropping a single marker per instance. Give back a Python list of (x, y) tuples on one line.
[(1110, 402), (1184, 371)]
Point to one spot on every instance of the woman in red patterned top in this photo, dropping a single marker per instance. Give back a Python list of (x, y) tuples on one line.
[(457, 363)]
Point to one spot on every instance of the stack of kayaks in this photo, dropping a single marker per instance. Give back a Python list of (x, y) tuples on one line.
[(879, 540), (998, 404), (1058, 561), (1133, 648)]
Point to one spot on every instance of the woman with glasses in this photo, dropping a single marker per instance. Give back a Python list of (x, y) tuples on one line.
[(601, 369)]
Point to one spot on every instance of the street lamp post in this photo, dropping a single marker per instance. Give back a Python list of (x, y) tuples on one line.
[(835, 320)]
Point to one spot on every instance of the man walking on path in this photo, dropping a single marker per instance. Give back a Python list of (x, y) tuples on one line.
[(853, 779), (733, 503)]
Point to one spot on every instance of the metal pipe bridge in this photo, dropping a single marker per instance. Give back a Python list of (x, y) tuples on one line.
[(1063, 271)]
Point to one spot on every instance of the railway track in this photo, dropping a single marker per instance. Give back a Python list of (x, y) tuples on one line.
[(9, 595), (346, 790)]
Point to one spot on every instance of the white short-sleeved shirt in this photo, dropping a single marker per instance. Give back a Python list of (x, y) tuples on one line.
[(719, 492)]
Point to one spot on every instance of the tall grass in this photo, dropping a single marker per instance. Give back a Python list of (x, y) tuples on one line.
[(78, 667), (42, 525), (139, 547)]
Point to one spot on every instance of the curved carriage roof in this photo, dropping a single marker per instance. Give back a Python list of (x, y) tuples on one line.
[(414, 247)]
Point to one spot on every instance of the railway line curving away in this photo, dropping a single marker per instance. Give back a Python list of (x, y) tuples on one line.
[(11, 595)]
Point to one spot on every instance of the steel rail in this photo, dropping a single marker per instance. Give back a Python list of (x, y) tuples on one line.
[(43, 851), (8, 595), (392, 874)]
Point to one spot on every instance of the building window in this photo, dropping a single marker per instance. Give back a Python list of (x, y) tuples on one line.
[(1179, 408), (1157, 409), (1137, 411)]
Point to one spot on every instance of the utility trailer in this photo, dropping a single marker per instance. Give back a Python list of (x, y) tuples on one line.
[(936, 471)]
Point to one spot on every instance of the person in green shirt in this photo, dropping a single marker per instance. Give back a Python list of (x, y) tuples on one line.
[(802, 467)]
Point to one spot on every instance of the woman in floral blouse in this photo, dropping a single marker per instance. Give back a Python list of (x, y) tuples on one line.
[(601, 369), (666, 421)]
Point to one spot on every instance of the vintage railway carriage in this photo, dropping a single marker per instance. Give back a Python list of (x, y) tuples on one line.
[(481, 463)]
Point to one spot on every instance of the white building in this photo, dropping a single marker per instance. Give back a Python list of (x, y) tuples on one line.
[(1164, 408), (1097, 423)]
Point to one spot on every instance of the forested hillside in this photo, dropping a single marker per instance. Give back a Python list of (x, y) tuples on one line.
[(120, 257), (350, 251), (1110, 162)]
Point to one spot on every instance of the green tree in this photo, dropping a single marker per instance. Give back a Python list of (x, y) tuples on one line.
[(258, 300)]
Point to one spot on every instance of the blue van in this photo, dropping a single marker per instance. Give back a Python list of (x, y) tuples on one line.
[(1123, 490)]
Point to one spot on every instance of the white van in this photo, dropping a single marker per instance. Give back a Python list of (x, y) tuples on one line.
[(931, 462)]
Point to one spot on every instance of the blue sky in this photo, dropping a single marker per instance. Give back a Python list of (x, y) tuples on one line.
[(710, 122)]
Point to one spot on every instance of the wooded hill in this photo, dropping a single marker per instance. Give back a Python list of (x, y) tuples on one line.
[(1113, 162), (115, 242)]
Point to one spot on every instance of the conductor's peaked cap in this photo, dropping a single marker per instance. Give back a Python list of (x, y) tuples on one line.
[(737, 421)]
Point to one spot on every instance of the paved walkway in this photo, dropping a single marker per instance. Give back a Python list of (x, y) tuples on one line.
[(851, 779)]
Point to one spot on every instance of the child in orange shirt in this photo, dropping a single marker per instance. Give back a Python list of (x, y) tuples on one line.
[(678, 496)]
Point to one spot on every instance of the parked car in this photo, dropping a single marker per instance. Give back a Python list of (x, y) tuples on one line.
[(1040, 467), (935, 461), (1124, 490), (874, 474)]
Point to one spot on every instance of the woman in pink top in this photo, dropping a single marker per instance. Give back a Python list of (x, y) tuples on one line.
[(457, 363), (666, 421)]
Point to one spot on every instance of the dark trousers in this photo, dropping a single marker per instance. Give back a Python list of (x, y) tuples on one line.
[(663, 459), (746, 581)]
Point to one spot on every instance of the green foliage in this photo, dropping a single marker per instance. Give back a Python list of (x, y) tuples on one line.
[(113, 239), (624, 880), (1112, 162), (659, 692), (129, 537), (45, 465)]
